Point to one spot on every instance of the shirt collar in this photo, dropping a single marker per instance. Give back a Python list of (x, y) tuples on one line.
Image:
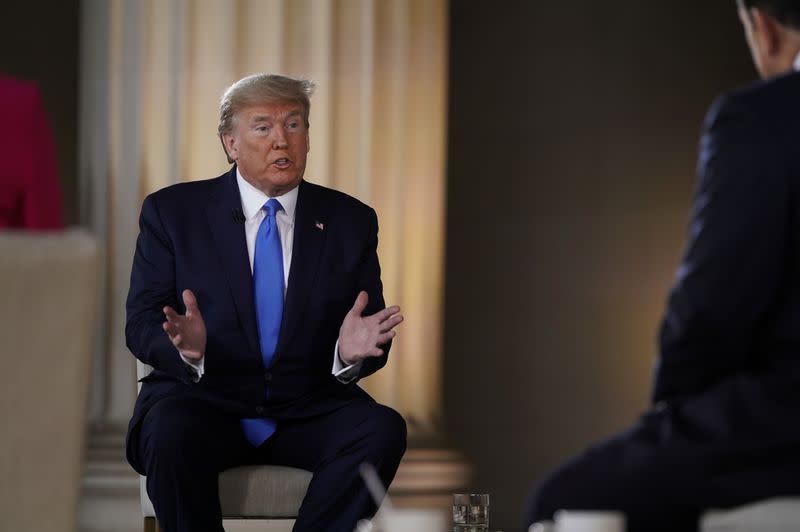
[(253, 199), (797, 62)]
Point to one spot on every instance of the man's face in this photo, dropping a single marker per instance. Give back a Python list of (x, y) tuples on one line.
[(269, 142)]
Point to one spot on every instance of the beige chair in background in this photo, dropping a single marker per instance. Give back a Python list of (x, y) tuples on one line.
[(48, 305), (272, 494)]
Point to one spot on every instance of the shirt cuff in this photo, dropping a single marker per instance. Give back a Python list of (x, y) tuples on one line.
[(196, 368), (344, 374)]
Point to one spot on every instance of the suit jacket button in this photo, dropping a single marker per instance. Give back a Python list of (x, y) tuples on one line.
[(267, 376), (259, 410)]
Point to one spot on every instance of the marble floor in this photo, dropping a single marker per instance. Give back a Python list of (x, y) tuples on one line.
[(109, 487)]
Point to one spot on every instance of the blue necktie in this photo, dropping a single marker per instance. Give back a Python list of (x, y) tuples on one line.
[(268, 285)]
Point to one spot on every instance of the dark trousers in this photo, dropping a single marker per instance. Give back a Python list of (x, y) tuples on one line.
[(671, 466), (654, 495), (184, 445)]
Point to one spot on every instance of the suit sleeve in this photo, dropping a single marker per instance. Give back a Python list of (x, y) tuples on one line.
[(153, 287), (735, 256), (369, 280)]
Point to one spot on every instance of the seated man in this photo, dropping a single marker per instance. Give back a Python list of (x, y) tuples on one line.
[(271, 290), (723, 429)]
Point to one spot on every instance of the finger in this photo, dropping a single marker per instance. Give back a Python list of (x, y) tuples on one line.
[(171, 315), (190, 302), (176, 340), (385, 337), (386, 313), (170, 328), (360, 304), (391, 323)]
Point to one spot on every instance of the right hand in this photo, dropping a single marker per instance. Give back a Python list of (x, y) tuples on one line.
[(362, 336), (187, 332)]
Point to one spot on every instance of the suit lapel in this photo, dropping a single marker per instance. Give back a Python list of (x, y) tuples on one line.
[(229, 238), (309, 239)]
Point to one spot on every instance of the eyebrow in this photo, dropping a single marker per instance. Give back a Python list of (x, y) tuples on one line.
[(268, 118)]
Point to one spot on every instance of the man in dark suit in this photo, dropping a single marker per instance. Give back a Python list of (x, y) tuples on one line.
[(256, 297), (723, 427)]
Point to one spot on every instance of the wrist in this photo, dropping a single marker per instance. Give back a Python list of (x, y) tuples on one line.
[(345, 360), (192, 356)]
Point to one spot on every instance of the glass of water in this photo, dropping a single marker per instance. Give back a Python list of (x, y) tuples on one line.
[(471, 512)]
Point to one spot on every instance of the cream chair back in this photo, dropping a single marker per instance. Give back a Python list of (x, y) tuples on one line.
[(48, 305)]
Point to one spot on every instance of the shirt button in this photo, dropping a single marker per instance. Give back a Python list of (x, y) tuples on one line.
[(259, 410), (267, 376)]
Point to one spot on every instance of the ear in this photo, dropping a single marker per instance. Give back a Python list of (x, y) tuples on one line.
[(767, 31), (231, 144)]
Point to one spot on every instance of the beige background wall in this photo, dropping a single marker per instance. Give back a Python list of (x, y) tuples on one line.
[(572, 143)]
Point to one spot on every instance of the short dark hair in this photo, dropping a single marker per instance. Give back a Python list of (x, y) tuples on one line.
[(787, 12)]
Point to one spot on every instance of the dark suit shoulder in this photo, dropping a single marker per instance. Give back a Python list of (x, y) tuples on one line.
[(770, 101), (188, 192), (337, 200)]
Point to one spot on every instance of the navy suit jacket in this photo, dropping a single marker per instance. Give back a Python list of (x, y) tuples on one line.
[(191, 236), (728, 376)]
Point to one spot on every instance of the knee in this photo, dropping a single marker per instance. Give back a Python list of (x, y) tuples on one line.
[(166, 431), (543, 500), (388, 432), (579, 484), (596, 479)]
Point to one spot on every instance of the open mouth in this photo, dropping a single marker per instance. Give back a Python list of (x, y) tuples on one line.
[(283, 162)]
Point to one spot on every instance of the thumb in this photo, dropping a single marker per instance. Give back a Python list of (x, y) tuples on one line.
[(360, 304), (190, 301)]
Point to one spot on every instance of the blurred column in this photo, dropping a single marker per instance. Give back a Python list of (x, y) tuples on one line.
[(164, 81), (93, 167), (125, 176)]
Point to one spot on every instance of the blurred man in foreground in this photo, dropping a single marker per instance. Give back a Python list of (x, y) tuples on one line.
[(722, 430)]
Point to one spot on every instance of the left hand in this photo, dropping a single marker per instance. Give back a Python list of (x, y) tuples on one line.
[(360, 336), (187, 332)]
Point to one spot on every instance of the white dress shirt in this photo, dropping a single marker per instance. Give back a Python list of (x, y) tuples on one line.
[(253, 201), (797, 62)]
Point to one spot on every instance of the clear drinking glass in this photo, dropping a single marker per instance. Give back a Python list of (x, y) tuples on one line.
[(471, 512)]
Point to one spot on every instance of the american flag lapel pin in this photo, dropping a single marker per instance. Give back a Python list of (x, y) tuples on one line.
[(319, 225)]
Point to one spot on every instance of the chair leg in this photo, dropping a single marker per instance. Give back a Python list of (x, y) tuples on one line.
[(150, 524)]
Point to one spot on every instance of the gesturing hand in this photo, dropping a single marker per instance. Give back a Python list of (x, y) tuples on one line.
[(187, 332), (360, 336)]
